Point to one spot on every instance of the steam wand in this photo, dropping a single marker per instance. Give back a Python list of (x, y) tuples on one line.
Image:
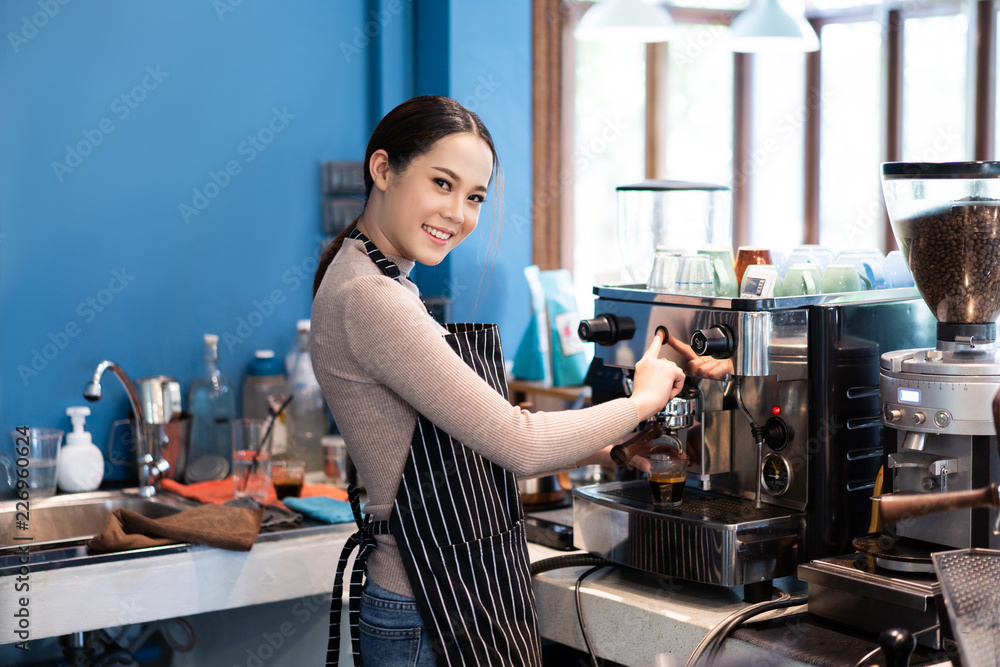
[(757, 432)]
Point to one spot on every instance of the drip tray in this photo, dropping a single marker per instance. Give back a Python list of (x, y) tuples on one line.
[(709, 538), (696, 505)]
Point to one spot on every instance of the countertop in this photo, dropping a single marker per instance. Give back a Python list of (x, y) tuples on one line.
[(634, 618), (172, 581)]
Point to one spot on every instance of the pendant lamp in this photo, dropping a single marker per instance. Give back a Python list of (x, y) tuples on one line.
[(632, 20), (766, 26)]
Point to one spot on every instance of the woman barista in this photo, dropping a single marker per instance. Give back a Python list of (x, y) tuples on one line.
[(425, 415)]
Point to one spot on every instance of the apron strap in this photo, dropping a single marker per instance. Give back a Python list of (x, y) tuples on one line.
[(365, 537), (387, 266), (384, 264)]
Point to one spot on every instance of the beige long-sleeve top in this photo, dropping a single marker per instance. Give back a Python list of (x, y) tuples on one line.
[(380, 359)]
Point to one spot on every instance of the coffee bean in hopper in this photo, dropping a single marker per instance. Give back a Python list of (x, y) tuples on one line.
[(954, 256)]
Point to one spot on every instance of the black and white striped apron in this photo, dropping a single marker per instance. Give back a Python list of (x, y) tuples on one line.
[(458, 523)]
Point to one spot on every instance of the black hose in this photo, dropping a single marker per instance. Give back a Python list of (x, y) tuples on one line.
[(579, 614), (569, 560), (712, 642), (576, 560)]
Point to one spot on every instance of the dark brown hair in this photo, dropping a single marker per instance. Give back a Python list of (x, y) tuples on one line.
[(407, 132)]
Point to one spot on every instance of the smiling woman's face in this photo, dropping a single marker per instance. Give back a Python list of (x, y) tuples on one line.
[(434, 203)]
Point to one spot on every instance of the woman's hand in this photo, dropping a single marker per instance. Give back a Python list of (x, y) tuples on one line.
[(656, 380), (702, 367)]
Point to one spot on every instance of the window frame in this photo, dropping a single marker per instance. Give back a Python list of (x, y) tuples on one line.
[(553, 91)]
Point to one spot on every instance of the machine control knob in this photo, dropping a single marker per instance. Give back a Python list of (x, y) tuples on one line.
[(717, 341), (775, 433), (606, 329), (919, 417), (942, 418), (891, 414), (897, 645)]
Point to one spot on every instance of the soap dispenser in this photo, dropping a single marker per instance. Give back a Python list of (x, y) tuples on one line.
[(81, 463)]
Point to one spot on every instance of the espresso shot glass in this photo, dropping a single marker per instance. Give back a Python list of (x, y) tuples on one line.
[(666, 476)]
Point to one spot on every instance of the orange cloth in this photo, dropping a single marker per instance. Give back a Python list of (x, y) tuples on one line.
[(220, 491), (309, 490)]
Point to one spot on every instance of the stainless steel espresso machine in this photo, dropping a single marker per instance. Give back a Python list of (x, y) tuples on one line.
[(937, 406), (783, 455)]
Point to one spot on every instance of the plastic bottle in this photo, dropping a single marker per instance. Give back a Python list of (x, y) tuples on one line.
[(293, 351), (80, 464), (264, 391), (213, 407), (308, 409)]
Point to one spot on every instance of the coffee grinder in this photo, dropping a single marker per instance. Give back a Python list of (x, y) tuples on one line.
[(939, 433)]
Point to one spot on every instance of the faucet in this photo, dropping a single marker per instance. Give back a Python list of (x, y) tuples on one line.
[(151, 468)]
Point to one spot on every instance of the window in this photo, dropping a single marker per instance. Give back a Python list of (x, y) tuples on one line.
[(773, 170), (934, 89), (699, 99), (608, 151), (801, 137), (850, 192)]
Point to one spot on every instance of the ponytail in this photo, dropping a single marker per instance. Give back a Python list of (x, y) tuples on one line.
[(331, 252)]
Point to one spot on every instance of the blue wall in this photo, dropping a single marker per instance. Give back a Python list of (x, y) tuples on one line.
[(488, 55), (98, 259), (490, 73)]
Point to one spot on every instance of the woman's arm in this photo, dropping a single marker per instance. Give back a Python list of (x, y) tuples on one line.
[(399, 345)]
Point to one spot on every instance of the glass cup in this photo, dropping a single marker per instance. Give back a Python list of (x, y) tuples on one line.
[(288, 477), (809, 254), (251, 459), (897, 271), (722, 270), (802, 279), (844, 278), (695, 276), (780, 259), (666, 264), (667, 474), (33, 468), (747, 255), (335, 460), (870, 265)]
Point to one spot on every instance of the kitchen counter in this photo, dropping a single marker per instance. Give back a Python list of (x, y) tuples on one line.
[(180, 581), (639, 619), (633, 618)]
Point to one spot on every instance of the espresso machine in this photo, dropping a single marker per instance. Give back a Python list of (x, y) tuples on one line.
[(937, 407), (783, 454)]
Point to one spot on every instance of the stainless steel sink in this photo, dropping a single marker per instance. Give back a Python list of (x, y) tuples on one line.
[(70, 518)]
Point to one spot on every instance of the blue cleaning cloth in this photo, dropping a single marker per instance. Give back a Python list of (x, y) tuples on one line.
[(322, 508)]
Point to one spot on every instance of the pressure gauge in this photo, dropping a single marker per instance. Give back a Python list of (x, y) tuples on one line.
[(775, 475)]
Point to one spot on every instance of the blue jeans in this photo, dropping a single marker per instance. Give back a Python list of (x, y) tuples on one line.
[(392, 632)]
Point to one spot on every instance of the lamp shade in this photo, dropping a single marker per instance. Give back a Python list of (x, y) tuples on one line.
[(633, 20), (766, 26)]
